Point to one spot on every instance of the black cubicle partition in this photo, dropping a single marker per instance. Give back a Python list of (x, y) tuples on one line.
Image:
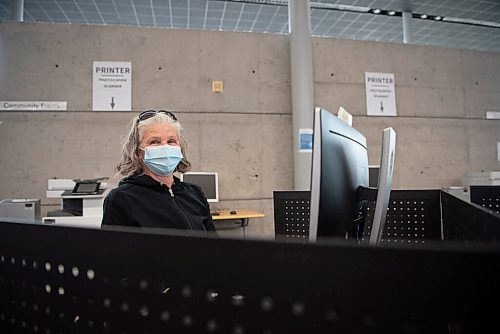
[(291, 214), (69, 280), (413, 216), (486, 196), (468, 221)]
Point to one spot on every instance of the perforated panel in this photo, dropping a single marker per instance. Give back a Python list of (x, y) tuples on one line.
[(291, 213), (45, 297), (64, 280), (486, 196), (412, 216), (40, 296), (297, 218)]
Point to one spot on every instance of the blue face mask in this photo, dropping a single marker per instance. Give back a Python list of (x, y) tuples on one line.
[(162, 160)]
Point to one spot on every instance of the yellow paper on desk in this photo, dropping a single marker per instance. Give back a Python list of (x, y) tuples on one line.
[(345, 116)]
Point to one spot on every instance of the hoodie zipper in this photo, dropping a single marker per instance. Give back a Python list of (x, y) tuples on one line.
[(178, 208)]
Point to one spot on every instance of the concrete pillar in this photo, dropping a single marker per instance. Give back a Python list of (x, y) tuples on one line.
[(302, 82), (407, 16), (17, 10)]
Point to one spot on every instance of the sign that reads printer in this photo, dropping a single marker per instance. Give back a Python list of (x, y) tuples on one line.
[(380, 94), (112, 88)]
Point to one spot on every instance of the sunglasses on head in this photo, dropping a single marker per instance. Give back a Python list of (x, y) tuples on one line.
[(150, 113)]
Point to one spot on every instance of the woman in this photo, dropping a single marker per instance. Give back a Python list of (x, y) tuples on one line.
[(150, 195)]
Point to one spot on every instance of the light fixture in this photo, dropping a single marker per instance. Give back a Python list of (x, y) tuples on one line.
[(323, 5), (471, 22), (360, 9)]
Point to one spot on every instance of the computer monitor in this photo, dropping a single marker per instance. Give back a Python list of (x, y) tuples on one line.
[(384, 185), (339, 168), (208, 181)]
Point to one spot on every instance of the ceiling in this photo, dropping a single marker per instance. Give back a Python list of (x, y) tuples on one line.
[(271, 16)]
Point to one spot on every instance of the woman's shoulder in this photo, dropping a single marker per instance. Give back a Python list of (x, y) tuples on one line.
[(137, 184), (123, 187), (187, 186), (117, 192), (190, 188), (131, 181)]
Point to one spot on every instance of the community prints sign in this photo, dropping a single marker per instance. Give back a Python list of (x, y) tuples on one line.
[(380, 94), (33, 105), (112, 86)]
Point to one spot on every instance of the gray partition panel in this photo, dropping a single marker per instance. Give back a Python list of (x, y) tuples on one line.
[(69, 280)]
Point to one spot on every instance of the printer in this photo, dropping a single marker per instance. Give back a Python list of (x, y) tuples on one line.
[(81, 202), (21, 210)]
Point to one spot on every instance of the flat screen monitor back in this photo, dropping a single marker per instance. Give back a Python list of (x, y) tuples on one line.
[(208, 181), (339, 168)]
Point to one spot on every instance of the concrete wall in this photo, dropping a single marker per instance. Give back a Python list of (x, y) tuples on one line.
[(442, 96), (245, 133)]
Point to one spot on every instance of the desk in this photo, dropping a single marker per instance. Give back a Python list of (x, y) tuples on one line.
[(242, 215)]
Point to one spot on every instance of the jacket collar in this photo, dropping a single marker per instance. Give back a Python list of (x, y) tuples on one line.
[(148, 181)]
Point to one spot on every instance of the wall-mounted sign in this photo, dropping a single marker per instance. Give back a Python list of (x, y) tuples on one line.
[(305, 140), (33, 105), (112, 86), (380, 94), (493, 115)]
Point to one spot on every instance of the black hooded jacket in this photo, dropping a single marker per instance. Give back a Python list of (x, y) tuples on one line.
[(140, 200)]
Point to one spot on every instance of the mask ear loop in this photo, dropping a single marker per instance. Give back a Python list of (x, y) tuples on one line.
[(141, 161)]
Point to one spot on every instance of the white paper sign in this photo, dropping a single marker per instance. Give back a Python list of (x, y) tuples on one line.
[(33, 105), (493, 115), (380, 94), (112, 87), (305, 140), (345, 116)]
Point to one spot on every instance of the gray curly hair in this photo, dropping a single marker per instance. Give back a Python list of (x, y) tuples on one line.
[(131, 162)]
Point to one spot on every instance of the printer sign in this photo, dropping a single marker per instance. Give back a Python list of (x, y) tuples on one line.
[(112, 86), (380, 94)]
